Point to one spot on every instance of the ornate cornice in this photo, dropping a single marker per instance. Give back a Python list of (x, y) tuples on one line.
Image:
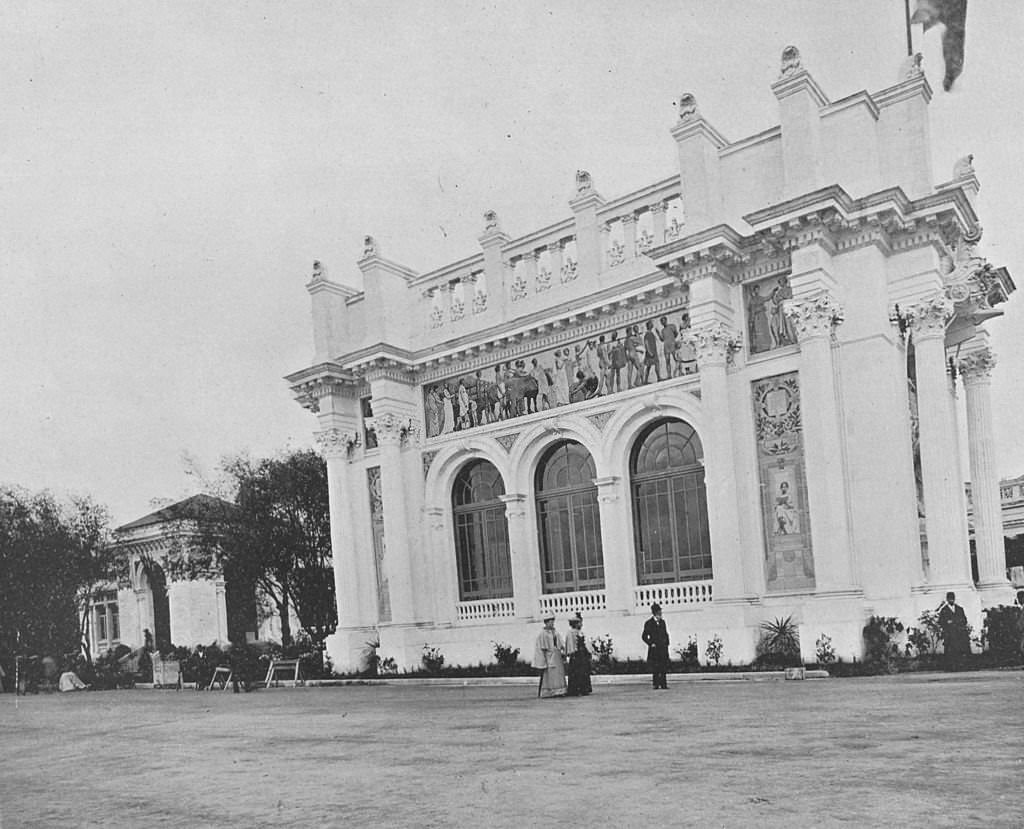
[(312, 384), (814, 317), (976, 366), (714, 343)]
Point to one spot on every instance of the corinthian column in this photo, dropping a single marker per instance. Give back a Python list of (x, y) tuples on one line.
[(350, 558), (948, 556), (714, 343), (976, 371), (391, 432), (814, 320)]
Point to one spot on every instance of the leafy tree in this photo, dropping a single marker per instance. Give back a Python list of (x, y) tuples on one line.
[(51, 557), (277, 536)]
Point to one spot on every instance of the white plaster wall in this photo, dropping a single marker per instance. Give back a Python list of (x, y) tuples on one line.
[(195, 615)]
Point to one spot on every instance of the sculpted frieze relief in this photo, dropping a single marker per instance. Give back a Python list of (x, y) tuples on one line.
[(558, 333), (593, 364)]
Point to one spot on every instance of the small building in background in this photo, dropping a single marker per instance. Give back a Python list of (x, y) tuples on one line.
[(173, 610)]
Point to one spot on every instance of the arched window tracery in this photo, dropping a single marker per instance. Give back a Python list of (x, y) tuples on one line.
[(481, 533), (670, 514), (568, 520)]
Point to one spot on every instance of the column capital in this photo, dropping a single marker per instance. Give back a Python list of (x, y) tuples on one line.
[(628, 218), (814, 317), (394, 429), (714, 343), (658, 207), (976, 366), (337, 443), (929, 317)]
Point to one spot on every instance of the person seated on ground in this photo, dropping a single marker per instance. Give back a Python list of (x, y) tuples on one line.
[(69, 681), (584, 388)]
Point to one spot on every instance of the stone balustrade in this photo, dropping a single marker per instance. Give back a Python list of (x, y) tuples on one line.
[(672, 595), (565, 604), (485, 609)]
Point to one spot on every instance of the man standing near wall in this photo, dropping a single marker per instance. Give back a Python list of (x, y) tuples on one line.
[(656, 638)]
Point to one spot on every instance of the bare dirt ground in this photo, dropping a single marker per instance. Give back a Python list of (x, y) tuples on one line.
[(920, 750)]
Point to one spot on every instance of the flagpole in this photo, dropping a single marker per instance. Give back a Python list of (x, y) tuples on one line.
[(910, 40)]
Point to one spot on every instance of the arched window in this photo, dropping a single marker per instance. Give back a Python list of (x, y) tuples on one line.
[(670, 508), (568, 520), (481, 533)]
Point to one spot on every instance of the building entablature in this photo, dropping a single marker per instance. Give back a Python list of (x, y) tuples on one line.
[(313, 384), (828, 217)]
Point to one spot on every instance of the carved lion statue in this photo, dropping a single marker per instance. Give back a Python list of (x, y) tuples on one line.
[(369, 247), (583, 181), (490, 220), (319, 271)]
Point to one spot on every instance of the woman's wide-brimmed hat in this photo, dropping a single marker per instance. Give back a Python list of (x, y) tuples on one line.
[(548, 617)]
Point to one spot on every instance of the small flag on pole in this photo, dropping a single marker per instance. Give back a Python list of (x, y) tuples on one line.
[(953, 15)]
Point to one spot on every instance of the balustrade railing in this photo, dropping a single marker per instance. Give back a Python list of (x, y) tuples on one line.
[(672, 595), (563, 604), (481, 609)]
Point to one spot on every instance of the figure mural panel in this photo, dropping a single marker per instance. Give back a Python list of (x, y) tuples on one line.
[(768, 327), (789, 563), (627, 357)]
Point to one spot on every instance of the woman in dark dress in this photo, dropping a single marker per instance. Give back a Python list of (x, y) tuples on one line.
[(579, 659)]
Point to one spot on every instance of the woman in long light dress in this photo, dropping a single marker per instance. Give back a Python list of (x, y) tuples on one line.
[(549, 659), (561, 381), (448, 418), (433, 413)]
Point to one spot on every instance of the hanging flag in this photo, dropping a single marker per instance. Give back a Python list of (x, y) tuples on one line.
[(952, 14)]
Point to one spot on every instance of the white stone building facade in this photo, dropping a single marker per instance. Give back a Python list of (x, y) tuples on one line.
[(730, 392)]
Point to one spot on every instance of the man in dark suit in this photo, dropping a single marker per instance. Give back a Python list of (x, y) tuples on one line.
[(956, 636), (656, 637)]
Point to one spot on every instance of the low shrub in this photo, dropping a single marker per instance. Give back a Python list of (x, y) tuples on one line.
[(881, 650), (602, 648), (1002, 634), (432, 660), (505, 654), (689, 661), (779, 645)]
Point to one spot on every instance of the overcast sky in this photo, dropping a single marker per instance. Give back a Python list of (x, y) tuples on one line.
[(169, 172)]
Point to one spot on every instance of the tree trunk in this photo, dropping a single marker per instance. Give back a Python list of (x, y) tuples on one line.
[(286, 625)]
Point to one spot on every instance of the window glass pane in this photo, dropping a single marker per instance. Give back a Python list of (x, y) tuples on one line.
[(669, 504), (481, 533), (569, 523)]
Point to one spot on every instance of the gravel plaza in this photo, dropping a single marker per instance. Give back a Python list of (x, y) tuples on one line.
[(910, 750)]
